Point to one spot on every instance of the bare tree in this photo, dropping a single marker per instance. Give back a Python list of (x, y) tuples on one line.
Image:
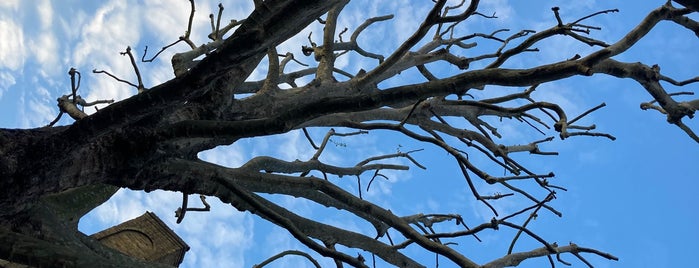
[(52, 176)]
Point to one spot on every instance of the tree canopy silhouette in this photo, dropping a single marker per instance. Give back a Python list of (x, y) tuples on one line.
[(51, 176)]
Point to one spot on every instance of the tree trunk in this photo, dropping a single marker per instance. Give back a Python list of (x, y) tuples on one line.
[(50, 177)]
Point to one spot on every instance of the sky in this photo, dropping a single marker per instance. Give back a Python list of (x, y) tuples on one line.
[(633, 197)]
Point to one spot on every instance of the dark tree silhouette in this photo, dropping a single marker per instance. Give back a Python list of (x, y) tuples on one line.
[(52, 176)]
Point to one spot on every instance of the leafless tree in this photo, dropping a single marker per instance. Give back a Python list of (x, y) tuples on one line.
[(52, 176)]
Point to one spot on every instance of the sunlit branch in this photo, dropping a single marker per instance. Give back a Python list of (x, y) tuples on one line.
[(138, 87), (666, 12), (532, 198), (331, 133), (532, 215), (493, 180), (377, 212), (688, 23), (648, 77), (515, 259), (286, 219), (69, 103), (274, 69), (286, 253), (269, 164), (586, 113), (327, 51)]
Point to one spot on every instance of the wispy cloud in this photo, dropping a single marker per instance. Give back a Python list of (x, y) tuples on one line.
[(70, 27), (39, 113), (406, 14), (124, 205), (113, 27), (6, 81), (12, 52), (9, 4), (45, 50), (222, 235), (227, 156), (45, 10), (215, 237)]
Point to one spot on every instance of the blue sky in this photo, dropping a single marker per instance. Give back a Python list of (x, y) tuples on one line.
[(633, 197)]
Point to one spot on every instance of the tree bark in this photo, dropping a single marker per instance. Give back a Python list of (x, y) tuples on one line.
[(50, 177)]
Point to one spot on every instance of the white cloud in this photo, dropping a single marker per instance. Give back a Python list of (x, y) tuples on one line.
[(12, 52), (111, 26), (114, 26), (123, 206), (157, 72), (405, 19), (6, 81), (33, 108), (501, 9), (164, 17), (45, 11), (9, 4), (227, 156), (288, 146), (567, 98), (45, 49), (215, 237), (168, 20), (279, 240), (43, 93), (294, 146), (43, 44), (585, 5), (68, 25)]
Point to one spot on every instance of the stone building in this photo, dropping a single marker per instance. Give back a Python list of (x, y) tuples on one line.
[(145, 237)]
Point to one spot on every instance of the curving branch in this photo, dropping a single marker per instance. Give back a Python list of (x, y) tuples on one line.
[(287, 253), (181, 211), (138, 87), (515, 259), (69, 103)]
